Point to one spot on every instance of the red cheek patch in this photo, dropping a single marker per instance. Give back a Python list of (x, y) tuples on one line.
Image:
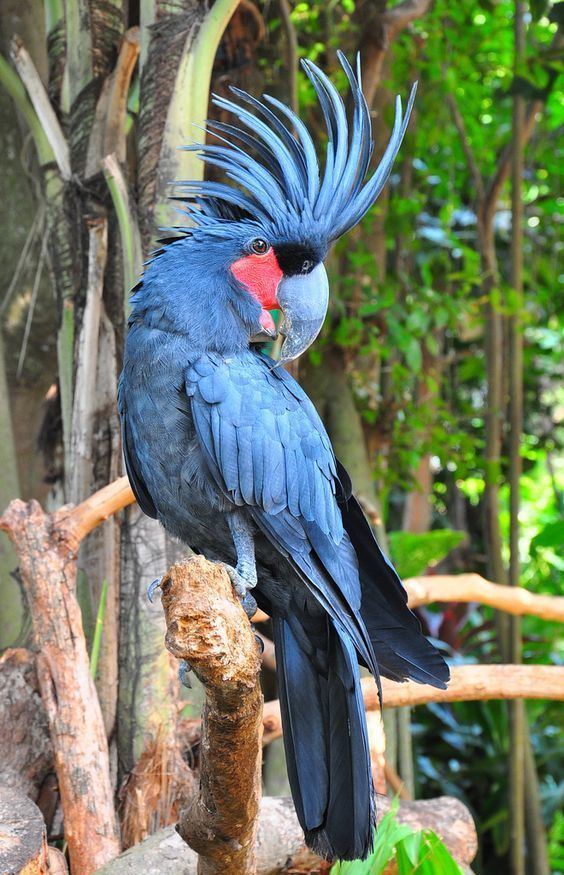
[(261, 275)]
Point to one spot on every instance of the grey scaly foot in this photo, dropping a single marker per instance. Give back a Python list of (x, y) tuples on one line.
[(244, 575), (242, 583)]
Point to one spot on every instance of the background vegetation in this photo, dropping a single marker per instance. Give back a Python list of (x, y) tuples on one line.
[(415, 373)]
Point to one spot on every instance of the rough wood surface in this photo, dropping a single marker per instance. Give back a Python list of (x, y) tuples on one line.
[(23, 844), (468, 683), (26, 754), (280, 841), (207, 627), (48, 568)]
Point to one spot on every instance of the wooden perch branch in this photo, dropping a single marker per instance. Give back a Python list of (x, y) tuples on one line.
[(475, 588), (48, 568), (80, 520), (468, 683), (207, 627)]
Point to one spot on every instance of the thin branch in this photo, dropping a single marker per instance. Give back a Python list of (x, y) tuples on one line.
[(468, 683), (83, 518), (32, 303), (292, 46), (42, 105), (501, 175), (466, 147), (400, 16), (35, 229)]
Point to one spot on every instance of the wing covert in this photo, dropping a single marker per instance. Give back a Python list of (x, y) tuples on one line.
[(262, 446)]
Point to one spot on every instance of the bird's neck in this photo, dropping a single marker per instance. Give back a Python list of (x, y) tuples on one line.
[(186, 294)]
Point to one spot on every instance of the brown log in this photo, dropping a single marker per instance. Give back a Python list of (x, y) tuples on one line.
[(280, 842), (468, 683), (207, 627), (26, 754), (23, 843), (48, 567)]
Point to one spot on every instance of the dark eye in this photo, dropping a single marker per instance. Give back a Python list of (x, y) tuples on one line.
[(307, 266), (259, 246)]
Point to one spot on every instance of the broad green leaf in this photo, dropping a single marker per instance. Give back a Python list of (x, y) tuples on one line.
[(413, 553)]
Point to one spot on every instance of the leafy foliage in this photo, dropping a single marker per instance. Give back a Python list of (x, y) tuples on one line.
[(412, 553), (419, 851)]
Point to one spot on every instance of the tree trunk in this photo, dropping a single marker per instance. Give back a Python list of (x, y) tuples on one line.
[(48, 565)]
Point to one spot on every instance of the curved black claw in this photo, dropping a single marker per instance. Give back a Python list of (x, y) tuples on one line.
[(249, 605), (151, 589), (184, 669), (260, 643)]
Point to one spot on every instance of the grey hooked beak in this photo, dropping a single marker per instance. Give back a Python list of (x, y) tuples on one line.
[(303, 300)]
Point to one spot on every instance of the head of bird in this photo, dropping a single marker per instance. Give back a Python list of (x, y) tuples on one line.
[(257, 244)]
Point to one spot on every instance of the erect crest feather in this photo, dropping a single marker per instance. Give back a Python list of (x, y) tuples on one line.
[(283, 188)]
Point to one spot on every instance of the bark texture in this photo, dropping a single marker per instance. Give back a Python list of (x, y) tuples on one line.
[(26, 754), (23, 843), (47, 551), (207, 627), (280, 841)]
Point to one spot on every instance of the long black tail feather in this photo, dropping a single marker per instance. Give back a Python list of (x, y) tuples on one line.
[(402, 651), (326, 741)]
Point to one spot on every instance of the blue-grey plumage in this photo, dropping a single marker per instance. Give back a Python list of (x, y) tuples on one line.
[(227, 451)]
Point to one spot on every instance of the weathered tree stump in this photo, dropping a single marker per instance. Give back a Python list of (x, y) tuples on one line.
[(207, 627), (26, 753), (23, 843)]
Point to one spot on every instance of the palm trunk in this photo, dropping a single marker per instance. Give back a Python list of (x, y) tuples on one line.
[(10, 595)]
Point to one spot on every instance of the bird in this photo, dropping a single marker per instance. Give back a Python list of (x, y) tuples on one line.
[(225, 448)]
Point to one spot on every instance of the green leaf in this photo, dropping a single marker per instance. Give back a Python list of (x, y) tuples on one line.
[(413, 553), (413, 355), (551, 535)]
